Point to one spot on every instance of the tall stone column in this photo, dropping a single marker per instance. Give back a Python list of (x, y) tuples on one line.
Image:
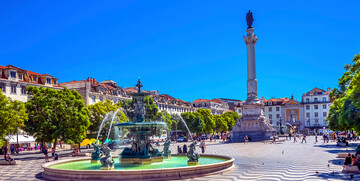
[(250, 40)]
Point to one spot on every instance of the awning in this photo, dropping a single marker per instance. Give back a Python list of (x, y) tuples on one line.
[(21, 138)]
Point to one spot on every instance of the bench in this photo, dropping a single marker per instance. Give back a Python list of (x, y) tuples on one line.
[(350, 169), (14, 162)]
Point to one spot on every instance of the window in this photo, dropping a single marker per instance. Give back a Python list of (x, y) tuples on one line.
[(105, 90), (270, 116), (307, 107), (119, 92), (316, 107), (101, 89), (101, 98), (307, 114), (3, 87), (324, 99), (93, 99), (54, 81), (34, 79), (20, 76), (270, 103), (270, 109), (315, 100), (316, 114), (277, 108), (48, 80), (23, 90), (13, 89), (307, 100), (324, 114), (277, 116), (324, 106), (12, 74), (317, 121)]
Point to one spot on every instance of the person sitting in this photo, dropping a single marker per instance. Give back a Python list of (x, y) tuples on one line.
[(353, 160), (357, 149), (184, 148), (179, 150), (8, 158), (347, 160)]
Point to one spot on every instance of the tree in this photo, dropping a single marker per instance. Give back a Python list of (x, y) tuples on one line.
[(12, 116), (231, 119), (165, 117), (97, 114), (208, 119), (194, 121), (56, 114), (344, 114), (151, 109), (220, 123)]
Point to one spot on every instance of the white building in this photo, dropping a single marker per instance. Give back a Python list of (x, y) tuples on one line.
[(273, 109), (316, 107), (171, 105), (93, 91), (14, 80), (216, 106)]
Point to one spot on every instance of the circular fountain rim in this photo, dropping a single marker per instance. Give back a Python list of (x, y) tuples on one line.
[(129, 123), (145, 174)]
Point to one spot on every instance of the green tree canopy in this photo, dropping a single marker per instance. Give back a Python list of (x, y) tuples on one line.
[(165, 117), (220, 123), (194, 121), (56, 114), (344, 114), (12, 116), (208, 119), (97, 114), (231, 119)]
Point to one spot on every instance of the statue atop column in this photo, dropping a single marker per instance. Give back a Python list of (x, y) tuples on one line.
[(139, 85), (249, 19)]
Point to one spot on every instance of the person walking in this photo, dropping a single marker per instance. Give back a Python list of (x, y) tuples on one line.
[(46, 152), (246, 139), (316, 138), (202, 146), (303, 139), (290, 136), (295, 138), (179, 150)]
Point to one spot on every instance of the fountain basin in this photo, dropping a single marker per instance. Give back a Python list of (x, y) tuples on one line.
[(71, 169)]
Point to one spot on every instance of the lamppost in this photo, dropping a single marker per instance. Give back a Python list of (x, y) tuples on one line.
[(281, 131)]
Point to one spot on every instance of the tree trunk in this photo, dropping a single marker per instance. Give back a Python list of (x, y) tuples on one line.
[(79, 148), (55, 142)]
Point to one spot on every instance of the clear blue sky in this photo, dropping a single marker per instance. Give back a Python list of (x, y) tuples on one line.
[(187, 49)]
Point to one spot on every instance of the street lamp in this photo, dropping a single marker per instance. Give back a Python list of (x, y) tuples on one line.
[(281, 131)]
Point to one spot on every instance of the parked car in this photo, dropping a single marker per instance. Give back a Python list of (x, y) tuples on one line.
[(182, 139)]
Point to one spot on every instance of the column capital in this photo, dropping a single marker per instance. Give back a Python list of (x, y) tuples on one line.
[(250, 38)]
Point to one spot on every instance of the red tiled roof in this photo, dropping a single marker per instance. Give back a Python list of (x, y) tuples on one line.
[(312, 92), (207, 100), (32, 73), (72, 82), (2, 67)]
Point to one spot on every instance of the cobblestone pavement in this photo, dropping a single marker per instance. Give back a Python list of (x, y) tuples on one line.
[(253, 161)]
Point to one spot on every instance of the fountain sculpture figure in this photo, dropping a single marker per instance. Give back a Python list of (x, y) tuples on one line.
[(192, 156), (96, 156), (166, 151), (107, 163)]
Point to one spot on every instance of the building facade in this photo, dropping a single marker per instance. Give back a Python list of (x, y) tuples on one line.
[(316, 107), (172, 105), (93, 91), (216, 106), (14, 80)]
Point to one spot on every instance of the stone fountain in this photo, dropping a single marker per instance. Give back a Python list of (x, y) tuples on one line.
[(140, 130)]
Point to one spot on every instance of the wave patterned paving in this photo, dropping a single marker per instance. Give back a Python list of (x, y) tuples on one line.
[(283, 161)]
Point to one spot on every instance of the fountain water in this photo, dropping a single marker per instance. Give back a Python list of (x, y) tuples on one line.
[(112, 120), (101, 125)]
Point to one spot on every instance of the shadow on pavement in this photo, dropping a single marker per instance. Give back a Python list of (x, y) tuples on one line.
[(338, 176)]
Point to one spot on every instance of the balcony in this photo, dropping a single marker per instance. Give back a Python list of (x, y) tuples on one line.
[(317, 102)]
